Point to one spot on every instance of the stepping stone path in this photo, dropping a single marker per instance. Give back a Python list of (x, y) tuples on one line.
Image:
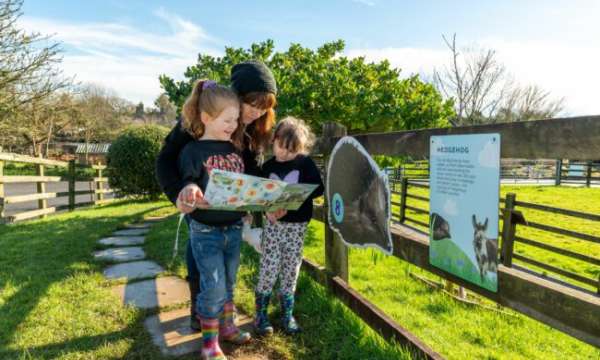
[(121, 254), (131, 232), (122, 240), (133, 270), (170, 330), (149, 294)]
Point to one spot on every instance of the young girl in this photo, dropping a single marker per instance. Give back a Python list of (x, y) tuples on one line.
[(283, 235), (256, 87), (211, 117)]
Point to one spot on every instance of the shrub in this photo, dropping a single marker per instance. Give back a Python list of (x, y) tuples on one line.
[(131, 161)]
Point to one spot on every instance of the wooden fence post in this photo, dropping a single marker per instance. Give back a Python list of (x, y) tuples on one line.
[(508, 230), (71, 179), (588, 176), (99, 196), (403, 191), (41, 189), (1, 192), (336, 253), (558, 177)]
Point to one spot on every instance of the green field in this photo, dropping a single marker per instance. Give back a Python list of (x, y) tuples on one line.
[(580, 199), (456, 330), (54, 302)]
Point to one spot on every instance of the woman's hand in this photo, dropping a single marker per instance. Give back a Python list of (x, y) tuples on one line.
[(190, 198), (276, 215)]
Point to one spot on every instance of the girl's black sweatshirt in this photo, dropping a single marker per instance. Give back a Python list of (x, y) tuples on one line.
[(196, 161), (302, 169), (167, 171)]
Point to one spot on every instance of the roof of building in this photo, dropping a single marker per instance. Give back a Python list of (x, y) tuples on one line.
[(92, 148)]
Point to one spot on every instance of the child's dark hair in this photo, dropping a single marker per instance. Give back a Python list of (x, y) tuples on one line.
[(294, 135), (211, 98)]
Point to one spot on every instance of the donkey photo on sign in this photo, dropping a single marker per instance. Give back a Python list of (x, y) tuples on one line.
[(486, 249)]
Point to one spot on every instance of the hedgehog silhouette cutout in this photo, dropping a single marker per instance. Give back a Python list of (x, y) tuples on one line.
[(359, 197)]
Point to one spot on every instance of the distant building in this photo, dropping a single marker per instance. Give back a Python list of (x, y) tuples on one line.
[(95, 153)]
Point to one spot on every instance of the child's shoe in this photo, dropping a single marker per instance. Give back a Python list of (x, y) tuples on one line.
[(289, 324), (210, 340), (261, 323), (228, 331)]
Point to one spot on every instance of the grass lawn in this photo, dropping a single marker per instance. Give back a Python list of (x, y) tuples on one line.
[(580, 199), (455, 330), (55, 303)]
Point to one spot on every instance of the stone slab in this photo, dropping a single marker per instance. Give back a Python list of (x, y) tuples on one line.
[(153, 219), (171, 333), (133, 270), (148, 294), (131, 232), (144, 225), (121, 254), (122, 240)]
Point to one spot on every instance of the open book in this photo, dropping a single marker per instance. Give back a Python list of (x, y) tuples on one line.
[(234, 191)]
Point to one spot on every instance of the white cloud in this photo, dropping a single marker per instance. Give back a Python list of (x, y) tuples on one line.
[(450, 207), (565, 70), (124, 58)]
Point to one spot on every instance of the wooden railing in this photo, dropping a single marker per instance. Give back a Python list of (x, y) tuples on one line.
[(562, 306), (509, 236), (97, 191), (555, 172)]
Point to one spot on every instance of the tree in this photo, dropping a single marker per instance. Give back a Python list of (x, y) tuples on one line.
[(41, 118), (485, 92), (139, 111), (28, 61), (102, 114), (321, 85), (166, 111), (528, 103)]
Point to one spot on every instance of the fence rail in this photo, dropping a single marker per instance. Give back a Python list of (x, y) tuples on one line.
[(554, 171), (97, 192), (405, 194), (567, 308)]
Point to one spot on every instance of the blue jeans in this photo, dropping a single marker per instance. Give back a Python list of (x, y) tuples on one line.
[(216, 251)]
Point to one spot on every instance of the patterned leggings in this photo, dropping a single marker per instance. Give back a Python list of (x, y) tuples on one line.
[(282, 245)]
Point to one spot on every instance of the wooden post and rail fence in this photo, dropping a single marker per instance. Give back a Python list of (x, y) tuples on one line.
[(570, 309), (97, 191)]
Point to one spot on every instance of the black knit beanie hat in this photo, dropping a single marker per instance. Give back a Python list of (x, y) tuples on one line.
[(252, 76)]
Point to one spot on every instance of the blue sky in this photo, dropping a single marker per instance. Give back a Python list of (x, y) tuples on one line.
[(125, 45)]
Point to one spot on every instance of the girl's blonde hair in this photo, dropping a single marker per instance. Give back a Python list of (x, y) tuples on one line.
[(294, 135), (211, 98)]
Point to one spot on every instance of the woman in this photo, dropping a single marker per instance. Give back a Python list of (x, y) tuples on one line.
[(255, 85)]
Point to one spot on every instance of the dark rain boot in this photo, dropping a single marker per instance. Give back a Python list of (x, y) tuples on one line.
[(288, 323), (261, 322)]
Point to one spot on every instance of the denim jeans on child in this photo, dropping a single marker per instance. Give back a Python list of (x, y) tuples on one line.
[(193, 274), (216, 251)]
